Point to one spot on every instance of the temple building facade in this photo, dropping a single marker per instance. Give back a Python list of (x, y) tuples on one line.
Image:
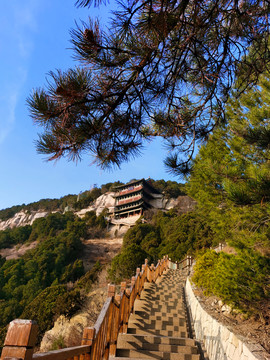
[(134, 197)]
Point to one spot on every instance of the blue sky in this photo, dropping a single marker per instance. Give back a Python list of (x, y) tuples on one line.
[(35, 40)]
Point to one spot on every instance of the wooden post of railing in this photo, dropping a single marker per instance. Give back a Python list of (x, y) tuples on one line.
[(20, 340), (117, 298), (146, 269), (159, 268), (133, 279), (133, 287), (138, 271), (156, 272), (87, 339), (132, 294), (118, 324), (127, 311), (143, 267), (110, 328), (125, 306), (164, 264), (123, 286), (149, 277), (115, 324), (122, 305), (111, 290), (146, 262), (152, 276), (142, 279)]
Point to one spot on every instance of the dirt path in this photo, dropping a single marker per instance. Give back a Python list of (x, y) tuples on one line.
[(17, 251), (100, 249)]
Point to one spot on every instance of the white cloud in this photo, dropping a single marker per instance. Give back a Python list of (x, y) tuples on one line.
[(7, 115), (16, 46), (8, 103), (25, 23)]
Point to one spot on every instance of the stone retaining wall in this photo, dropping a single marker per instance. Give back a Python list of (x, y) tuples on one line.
[(220, 343)]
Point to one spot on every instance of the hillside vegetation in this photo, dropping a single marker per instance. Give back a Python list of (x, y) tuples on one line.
[(50, 279), (166, 234)]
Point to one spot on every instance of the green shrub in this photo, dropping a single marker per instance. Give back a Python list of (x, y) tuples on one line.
[(124, 265), (136, 234), (240, 280), (11, 237), (42, 308), (49, 304), (73, 271), (58, 343), (87, 280)]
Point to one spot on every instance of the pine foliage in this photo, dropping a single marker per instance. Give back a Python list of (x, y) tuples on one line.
[(230, 181), (162, 68)]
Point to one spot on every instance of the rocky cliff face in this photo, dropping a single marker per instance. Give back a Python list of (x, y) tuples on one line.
[(22, 218), (102, 202)]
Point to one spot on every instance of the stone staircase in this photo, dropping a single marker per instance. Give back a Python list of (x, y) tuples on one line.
[(158, 327)]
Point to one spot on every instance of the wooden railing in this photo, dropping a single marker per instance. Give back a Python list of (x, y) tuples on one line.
[(99, 342), (183, 264), (129, 200)]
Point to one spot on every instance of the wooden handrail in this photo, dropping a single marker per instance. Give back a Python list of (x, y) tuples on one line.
[(63, 354), (99, 341), (185, 263)]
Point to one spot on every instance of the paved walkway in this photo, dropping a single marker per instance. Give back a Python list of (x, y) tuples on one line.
[(158, 328)]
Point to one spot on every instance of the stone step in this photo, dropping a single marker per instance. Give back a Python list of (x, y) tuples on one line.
[(157, 299), (158, 317), (158, 332), (141, 354), (157, 323), (164, 289), (174, 289), (156, 292), (153, 326), (153, 339), (158, 348), (138, 309), (169, 306), (159, 302), (188, 357), (163, 298), (158, 306), (163, 313)]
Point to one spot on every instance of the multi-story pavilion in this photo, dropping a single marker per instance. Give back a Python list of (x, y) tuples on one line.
[(134, 197)]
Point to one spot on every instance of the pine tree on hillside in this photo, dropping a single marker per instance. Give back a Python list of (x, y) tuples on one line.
[(249, 130), (235, 163), (163, 68), (231, 174)]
